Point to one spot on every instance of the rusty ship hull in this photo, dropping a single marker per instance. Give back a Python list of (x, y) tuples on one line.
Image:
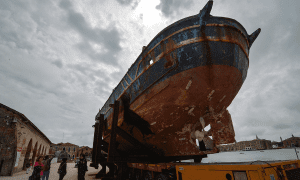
[(182, 82)]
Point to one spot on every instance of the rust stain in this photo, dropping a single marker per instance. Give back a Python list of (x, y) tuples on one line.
[(158, 107), (169, 46), (172, 46), (123, 87), (126, 83), (129, 77)]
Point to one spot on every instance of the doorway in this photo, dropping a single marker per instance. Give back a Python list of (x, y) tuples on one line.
[(27, 155), (34, 153)]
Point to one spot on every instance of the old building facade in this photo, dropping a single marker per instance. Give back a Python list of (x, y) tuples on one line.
[(70, 148), (87, 151), (20, 141), (291, 142), (258, 144)]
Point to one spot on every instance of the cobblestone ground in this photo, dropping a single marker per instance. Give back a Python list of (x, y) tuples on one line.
[(71, 173)]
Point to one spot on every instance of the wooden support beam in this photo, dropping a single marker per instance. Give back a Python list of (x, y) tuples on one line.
[(129, 138), (95, 143), (134, 141), (99, 137), (105, 146), (112, 150)]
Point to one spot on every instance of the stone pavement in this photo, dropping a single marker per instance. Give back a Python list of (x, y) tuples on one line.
[(71, 173)]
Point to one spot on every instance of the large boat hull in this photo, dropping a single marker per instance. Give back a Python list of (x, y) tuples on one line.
[(197, 71)]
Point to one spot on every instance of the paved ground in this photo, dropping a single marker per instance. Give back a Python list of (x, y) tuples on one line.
[(71, 173)]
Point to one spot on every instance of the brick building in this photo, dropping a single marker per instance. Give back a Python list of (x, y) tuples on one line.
[(87, 151), (257, 143), (291, 142), (277, 145), (20, 140), (71, 149)]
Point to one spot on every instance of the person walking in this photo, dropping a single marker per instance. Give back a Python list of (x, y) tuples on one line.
[(47, 164), (37, 171), (62, 170), (82, 167), (28, 166)]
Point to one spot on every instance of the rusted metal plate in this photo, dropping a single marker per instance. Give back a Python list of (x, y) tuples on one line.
[(198, 66)]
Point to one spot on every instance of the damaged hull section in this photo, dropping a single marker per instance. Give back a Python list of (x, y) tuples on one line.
[(182, 82)]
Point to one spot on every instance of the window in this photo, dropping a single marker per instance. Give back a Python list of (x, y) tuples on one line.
[(64, 149), (74, 149), (56, 148), (69, 149)]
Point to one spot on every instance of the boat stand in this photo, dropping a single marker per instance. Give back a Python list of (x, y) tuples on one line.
[(117, 160)]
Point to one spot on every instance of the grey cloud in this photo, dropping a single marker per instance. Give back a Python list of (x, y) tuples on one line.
[(109, 38), (129, 2), (88, 70), (37, 86), (85, 74), (135, 4), (281, 126), (100, 91), (15, 30), (125, 2), (171, 8), (65, 4), (58, 63)]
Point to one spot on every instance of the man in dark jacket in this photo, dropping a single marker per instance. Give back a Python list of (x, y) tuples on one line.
[(47, 164), (62, 170), (82, 167)]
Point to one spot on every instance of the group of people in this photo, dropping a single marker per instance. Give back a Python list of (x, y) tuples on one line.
[(42, 167)]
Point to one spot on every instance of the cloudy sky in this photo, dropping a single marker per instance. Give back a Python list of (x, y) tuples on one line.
[(60, 60)]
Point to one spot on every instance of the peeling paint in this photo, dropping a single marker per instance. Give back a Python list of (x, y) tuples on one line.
[(222, 98), (210, 94), (153, 123), (188, 85), (191, 112)]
